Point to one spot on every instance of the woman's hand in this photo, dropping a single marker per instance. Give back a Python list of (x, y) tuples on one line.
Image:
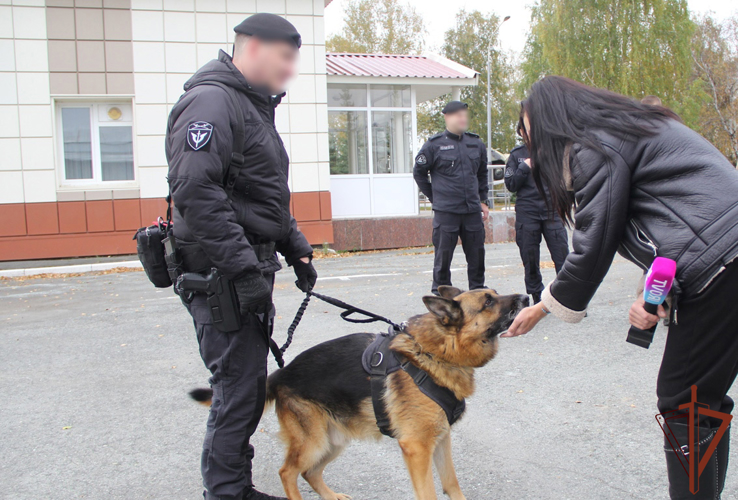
[(642, 319), (525, 321)]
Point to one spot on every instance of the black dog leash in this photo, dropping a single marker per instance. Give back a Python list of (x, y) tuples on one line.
[(348, 310)]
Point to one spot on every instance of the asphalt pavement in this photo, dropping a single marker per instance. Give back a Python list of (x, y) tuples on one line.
[(96, 369)]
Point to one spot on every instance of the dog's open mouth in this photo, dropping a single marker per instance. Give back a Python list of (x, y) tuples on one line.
[(501, 326)]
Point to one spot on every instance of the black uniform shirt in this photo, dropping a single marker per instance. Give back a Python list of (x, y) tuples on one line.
[(458, 172), (529, 205)]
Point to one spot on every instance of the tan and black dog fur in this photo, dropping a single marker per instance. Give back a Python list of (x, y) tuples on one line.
[(323, 397)]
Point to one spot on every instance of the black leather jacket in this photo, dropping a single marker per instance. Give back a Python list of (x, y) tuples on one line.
[(259, 211), (673, 195)]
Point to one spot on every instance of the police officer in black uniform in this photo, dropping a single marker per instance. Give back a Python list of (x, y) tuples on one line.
[(456, 161), (236, 228), (533, 219)]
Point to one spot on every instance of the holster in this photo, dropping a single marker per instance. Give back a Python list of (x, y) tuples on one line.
[(187, 270), (192, 272)]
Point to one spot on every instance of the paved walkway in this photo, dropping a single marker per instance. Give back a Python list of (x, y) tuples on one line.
[(96, 370)]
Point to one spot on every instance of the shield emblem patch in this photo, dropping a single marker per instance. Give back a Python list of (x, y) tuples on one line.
[(199, 134)]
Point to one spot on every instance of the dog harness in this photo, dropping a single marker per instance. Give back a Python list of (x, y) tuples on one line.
[(379, 361)]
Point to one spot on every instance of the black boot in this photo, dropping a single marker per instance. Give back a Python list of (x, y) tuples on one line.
[(252, 494), (536, 297), (712, 480)]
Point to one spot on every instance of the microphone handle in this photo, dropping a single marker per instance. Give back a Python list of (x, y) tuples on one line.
[(643, 338)]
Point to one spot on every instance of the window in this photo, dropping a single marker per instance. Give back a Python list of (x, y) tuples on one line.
[(392, 142), (348, 142), (96, 142), (388, 143), (346, 95), (371, 135), (390, 96)]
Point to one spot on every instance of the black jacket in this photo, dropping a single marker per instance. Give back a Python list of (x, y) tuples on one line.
[(458, 172), (259, 209), (673, 195), (529, 204)]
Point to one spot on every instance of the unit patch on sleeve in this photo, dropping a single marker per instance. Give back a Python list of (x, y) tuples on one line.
[(421, 159), (199, 135)]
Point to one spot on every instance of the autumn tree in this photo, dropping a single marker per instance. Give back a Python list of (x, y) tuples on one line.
[(467, 43), (633, 47), (379, 26), (715, 55)]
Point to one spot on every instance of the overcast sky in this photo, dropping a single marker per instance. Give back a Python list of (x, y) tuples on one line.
[(440, 16)]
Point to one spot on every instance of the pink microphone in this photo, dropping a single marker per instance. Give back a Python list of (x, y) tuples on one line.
[(659, 279)]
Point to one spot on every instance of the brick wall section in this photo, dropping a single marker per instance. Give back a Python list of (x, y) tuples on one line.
[(400, 232), (105, 226), (74, 228)]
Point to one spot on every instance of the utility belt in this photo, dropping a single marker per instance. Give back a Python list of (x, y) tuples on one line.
[(192, 272), (168, 262), (195, 260)]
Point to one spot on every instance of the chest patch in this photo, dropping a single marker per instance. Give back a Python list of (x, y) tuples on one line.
[(446, 148), (199, 135)]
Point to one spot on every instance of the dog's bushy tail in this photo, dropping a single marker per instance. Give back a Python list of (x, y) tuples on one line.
[(204, 395)]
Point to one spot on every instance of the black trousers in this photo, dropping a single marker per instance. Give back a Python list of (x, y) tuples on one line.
[(238, 364), (528, 237), (702, 348), (447, 228)]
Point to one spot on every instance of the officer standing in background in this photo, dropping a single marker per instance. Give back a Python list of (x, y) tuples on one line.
[(456, 161), (237, 228), (533, 219)]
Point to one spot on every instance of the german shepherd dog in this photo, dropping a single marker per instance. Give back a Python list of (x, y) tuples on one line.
[(323, 397)]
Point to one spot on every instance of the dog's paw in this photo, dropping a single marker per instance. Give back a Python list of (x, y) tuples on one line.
[(341, 496)]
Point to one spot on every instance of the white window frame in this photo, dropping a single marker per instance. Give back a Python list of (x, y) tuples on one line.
[(94, 106), (368, 109)]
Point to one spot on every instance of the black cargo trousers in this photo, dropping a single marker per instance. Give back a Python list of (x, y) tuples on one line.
[(447, 229), (238, 364), (528, 232)]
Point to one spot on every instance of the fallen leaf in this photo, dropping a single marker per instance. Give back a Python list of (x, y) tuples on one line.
[(521, 390), (123, 345), (545, 338), (66, 428), (409, 294), (577, 401)]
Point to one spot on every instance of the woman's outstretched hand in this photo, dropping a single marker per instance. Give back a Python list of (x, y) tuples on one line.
[(525, 321)]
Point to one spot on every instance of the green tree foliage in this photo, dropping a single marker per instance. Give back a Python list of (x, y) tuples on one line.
[(381, 27), (467, 44), (715, 55), (633, 47)]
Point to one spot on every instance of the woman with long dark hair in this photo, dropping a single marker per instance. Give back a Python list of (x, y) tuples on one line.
[(631, 177)]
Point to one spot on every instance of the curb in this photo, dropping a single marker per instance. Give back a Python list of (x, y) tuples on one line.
[(75, 268)]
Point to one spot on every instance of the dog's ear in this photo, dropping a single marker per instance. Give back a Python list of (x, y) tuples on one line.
[(446, 310), (449, 292)]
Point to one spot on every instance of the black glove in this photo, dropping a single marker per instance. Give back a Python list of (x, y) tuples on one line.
[(306, 275), (254, 293)]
